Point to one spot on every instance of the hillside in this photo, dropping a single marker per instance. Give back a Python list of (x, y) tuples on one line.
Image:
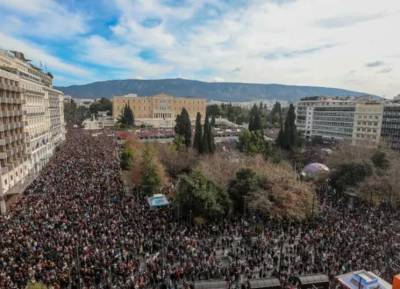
[(220, 91)]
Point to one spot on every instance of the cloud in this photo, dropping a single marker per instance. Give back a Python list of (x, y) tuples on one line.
[(349, 20), (151, 22), (374, 64), (122, 57), (41, 18), (37, 54), (218, 79), (236, 69), (385, 70), (281, 53), (313, 42)]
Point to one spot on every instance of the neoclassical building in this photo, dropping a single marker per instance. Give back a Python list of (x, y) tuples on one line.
[(159, 110), (31, 122)]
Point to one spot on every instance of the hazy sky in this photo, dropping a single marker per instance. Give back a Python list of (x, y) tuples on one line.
[(353, 44)]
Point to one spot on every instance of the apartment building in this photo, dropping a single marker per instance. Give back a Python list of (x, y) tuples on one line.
[(56, 114), (367, 124), (40, 120), (354, 119), (391, 124), (329, 117), (13, 166), (158, 110)]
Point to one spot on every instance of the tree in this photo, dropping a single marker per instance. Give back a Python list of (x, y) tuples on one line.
[(255, 119), (74, 114), (127, 118), (213, 110), (246, 181), (280, 142), (199, 197), (288, 138), (103, 104), (176, 162), (126, 159), (179, 143), (380, 161), (275, 114), (349, 175), (281, 197), (210, 138), (198, 134), (253, 142), (206, 138), (183, 126), (213, 120), (150, 180), (376, 190)]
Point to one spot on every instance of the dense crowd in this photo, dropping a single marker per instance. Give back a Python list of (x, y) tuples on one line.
[(75, 228)]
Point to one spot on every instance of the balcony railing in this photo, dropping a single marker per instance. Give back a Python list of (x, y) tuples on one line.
[(11, 100), (8, 87)]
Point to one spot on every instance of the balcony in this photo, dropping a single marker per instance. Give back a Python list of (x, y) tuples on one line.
[(17, 113), (3, 156), (3, 141), (18, 136), (11, 100), (8, 87), (4, 113), (10, 153)]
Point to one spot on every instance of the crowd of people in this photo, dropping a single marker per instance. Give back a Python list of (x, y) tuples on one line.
[(75, 227)]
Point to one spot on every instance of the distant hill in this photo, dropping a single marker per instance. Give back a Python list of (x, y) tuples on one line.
[(219, 91)]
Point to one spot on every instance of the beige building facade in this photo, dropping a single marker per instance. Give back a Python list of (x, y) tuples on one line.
[(13, 158), (357, 120), (367, 124), (40, 120), (158, 110)]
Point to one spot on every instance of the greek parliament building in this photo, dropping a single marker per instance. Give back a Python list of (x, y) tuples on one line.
[(158, 110), (363, 121), (32, 122)]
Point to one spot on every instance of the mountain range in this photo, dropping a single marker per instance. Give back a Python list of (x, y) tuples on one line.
[(218, 91)]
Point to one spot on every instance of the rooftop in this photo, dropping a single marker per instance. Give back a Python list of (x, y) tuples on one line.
[(363, 280)]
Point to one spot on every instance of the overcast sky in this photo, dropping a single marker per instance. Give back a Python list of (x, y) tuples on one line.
[(353, 44)]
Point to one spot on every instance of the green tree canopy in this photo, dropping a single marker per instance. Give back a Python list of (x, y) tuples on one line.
[(213, 110), (183, 126), (246, 181), (150, 180), (206, 138), (288, 137), (275, 114), (104, 104), (126, 159), (255, 119), (179, 143), (253, 142), (213, 122), (380, 160), (350, 174), (74, 114), (199, 197), (198, 134), (127, 118), (210, 138)]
